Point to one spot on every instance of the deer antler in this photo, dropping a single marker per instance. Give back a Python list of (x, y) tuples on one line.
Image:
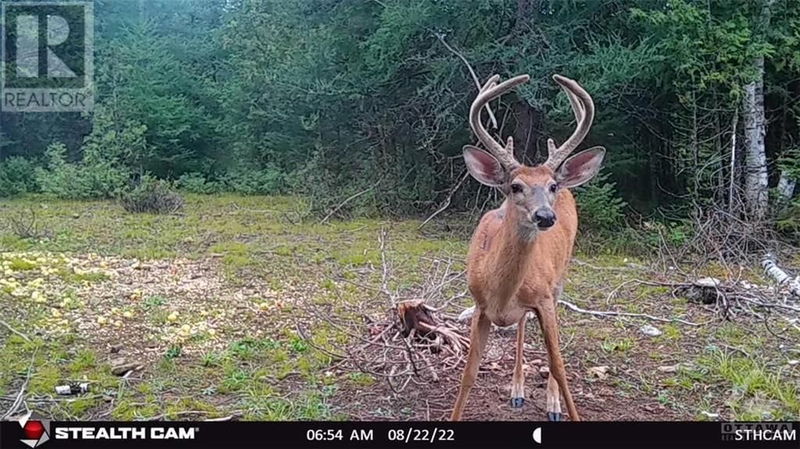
[(490, 91), (583, 107)]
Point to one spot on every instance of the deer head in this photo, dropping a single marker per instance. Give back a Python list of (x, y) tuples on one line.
[(532, 191)]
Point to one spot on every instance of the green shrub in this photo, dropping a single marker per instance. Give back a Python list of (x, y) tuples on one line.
[(152, 196), (17, 176), (788, 220), (197, 183), (671, 233), (98, 179), (266, 181), (601, 208)]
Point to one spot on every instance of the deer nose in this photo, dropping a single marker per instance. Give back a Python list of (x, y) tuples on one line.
[(544, 217)]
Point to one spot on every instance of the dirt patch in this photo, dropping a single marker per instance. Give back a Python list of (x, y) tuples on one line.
[(426, 399)]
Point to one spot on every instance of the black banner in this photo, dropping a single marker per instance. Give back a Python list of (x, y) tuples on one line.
[(183, 434)]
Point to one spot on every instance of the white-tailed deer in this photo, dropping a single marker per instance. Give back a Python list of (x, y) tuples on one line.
[(520, 251)]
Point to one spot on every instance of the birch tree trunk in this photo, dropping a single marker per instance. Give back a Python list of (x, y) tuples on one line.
[(756, 176), (732, 185), (786, 187)]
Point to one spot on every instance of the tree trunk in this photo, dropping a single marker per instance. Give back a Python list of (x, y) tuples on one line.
[(786, 188), (756, 176), (732, 191)]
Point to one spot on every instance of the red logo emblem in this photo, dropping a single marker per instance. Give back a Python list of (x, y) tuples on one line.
[(33, 430), (36, 432)]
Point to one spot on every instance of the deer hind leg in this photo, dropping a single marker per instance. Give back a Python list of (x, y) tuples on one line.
[(547, 320), (518, 381), (478, 336)]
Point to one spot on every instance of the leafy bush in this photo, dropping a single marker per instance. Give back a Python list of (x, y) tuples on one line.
[(266, 181), (25, 225), (601, 209), (99, 178), (670, 233), (197, 183), (788, 221), (17, 176), (152, 196)]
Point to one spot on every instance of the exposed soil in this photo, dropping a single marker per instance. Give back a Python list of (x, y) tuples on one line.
[(597, 400)]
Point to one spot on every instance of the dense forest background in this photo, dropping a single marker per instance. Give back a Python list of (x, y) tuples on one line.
[(367, 101)]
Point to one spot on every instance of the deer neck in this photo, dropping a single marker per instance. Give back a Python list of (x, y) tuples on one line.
[(512, 256)]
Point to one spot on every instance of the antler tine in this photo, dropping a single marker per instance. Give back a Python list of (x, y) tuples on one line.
[(490, 91), (491, 82), (583, 107)]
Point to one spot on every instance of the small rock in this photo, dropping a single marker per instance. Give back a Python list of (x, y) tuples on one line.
[(120, 366), (600, 372), (466, 315), (650, 331), (544, 371), (707, 282), (793, 362), (76, 216), (537, 362), (121, 370), (669, 368)]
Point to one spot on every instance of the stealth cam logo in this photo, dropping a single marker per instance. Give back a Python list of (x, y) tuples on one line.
[(36, 432)]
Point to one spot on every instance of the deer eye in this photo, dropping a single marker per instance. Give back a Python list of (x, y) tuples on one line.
[(516, 188), (553, 187)]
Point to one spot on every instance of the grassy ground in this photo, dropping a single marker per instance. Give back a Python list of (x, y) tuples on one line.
[(207, 306)]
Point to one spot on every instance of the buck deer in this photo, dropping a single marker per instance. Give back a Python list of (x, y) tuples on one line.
[(520, 251)]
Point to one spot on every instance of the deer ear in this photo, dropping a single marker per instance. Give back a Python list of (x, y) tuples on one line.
[(484, 167), (581, 167)]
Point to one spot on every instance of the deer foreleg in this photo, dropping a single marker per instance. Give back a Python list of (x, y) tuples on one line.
[(518, 381), (547, 320), (478, 336)]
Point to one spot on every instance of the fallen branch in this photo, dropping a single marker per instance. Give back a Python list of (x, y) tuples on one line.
[(8, 326), (166, 415), (575, 308), (20, 398), (224, 418), (783, 278)]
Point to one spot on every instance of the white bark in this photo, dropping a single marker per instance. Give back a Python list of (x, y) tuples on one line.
[(786, 186), (732, 186), (756, 180), (771, 268), (756, 177)]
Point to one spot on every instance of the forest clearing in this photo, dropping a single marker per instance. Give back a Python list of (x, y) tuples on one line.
[(245, 308)]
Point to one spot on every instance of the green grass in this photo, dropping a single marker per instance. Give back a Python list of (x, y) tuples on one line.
[(258, 366), (251, 239), (758, 391)]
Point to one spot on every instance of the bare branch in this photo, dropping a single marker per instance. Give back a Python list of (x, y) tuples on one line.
[(575, 308), (440, 36)]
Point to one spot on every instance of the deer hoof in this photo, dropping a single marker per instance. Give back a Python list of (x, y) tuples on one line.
[(555, 416), (517, 402)]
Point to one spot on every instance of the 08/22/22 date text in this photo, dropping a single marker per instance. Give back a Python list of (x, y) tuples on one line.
[(430, 435)]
